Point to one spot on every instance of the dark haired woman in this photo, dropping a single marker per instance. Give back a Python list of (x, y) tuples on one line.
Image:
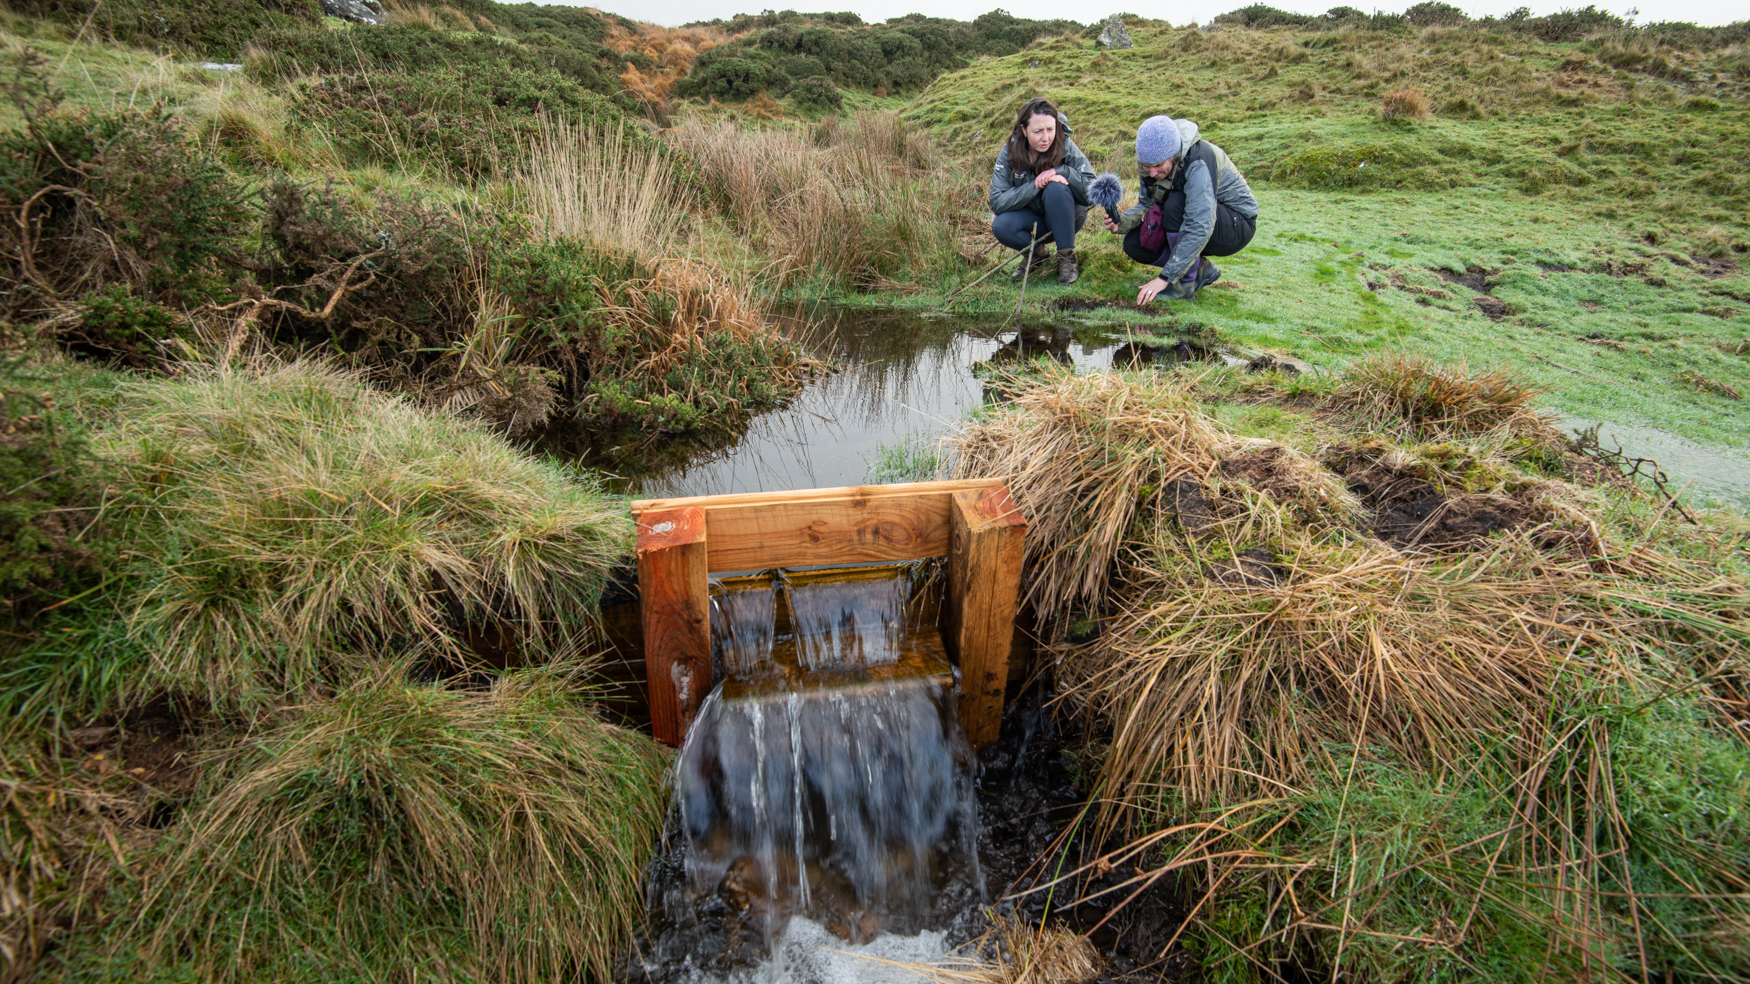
[(1040, 189)]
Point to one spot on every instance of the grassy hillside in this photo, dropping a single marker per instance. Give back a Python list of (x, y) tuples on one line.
[(1569, 209), (287, 593)]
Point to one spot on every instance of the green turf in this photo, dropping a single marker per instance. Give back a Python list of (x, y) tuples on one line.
[(1599, 202)]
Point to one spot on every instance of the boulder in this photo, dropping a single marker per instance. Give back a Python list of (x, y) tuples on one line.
[(357, 11), (1113, 35)]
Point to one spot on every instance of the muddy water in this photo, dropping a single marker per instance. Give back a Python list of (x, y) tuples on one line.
[(1720, 475), (903, 377)]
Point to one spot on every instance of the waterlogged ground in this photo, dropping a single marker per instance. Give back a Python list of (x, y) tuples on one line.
[(909, 377)]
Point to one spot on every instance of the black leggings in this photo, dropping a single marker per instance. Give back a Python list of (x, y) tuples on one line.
[(1058, 212), (1232, 232)]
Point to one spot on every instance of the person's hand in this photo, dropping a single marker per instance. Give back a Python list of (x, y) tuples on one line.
[(1060, 179), (1045, 177), (1111, 225), (1149, 291)]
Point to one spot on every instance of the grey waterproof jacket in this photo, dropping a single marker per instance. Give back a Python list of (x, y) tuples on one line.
[(1206, 175), (1012, 188)]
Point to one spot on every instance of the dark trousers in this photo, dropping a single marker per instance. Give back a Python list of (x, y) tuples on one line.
[(1060, 215), (1232, 232)]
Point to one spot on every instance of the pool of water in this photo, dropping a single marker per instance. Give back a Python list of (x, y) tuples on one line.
[(903, 378)]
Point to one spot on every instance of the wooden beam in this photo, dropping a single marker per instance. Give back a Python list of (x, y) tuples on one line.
[(676, 609), (984, 584), (851, 525)]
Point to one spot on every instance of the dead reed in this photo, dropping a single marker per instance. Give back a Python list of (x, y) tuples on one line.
[(601, 187), (1013, 951), (858, 203)]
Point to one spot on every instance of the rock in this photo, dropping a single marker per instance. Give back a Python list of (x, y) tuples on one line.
[(357, 11), (1113, 35)]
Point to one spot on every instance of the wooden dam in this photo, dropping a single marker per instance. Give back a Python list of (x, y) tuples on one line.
[(682, 542)]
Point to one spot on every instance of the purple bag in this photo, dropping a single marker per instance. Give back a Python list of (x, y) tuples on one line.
[(1152, 237)]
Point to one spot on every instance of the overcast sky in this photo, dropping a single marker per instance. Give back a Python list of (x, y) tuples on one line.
[(672, 12)]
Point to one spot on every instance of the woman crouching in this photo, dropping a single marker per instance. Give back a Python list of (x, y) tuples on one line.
[(1040, 189), (1195, 204)]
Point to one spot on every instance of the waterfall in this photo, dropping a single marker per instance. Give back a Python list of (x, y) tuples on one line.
[(811, 785)]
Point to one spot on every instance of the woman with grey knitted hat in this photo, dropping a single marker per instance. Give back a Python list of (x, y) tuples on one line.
[(1194, 204)]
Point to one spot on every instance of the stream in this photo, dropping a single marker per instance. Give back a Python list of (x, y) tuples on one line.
[(907, 378), (831, 824)]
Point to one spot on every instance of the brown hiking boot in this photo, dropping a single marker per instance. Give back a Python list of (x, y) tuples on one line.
[(1041, 256), (1067, 270)]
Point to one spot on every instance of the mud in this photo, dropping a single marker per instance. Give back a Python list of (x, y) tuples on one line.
[(1409, 513), (1268, 471), (1476, 278), (1494, 308)]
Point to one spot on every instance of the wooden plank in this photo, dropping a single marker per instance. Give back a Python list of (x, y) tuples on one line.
[(852, 525), (897, 490), (675, 605), (984, 585)]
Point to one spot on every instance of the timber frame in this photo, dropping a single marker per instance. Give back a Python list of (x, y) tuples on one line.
[(974, 523)]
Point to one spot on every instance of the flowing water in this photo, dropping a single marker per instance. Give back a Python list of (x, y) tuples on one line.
[(824, 795)]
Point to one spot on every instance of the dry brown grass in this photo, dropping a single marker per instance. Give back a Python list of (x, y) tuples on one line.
[(1407, 104), (858, 202), (600, 187), (1413, 397), (1015, 952), (674, 50), (1224, 690)]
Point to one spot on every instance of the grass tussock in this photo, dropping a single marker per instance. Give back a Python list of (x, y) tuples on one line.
[(1414, 397), (403, 831), (1520, 754), (1404, 104), (279, 517), (599, 187), (861, 204)]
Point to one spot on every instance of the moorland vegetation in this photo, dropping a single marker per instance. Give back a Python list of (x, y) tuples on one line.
[(1382, 673)]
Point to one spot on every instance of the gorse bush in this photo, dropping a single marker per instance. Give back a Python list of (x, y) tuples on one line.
[(282, 523), (218, 29), (785, 53), (51, 485), (400, 831), (122, 206), (470, 123), (290, 52)]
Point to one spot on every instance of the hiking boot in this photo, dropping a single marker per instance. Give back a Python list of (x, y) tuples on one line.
[(1208, 274), (1041, 256), (1067, 270)]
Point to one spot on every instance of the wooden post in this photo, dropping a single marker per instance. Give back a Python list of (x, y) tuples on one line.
[(676, 604), (984, 584)]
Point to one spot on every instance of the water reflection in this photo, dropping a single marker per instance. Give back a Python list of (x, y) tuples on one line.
[(903, 374)]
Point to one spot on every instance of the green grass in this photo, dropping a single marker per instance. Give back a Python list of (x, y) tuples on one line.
[(1536, 154), (402, 832), (280, 524)]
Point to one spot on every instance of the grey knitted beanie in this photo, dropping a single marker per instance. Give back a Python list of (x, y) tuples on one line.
[(1157, 140)]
